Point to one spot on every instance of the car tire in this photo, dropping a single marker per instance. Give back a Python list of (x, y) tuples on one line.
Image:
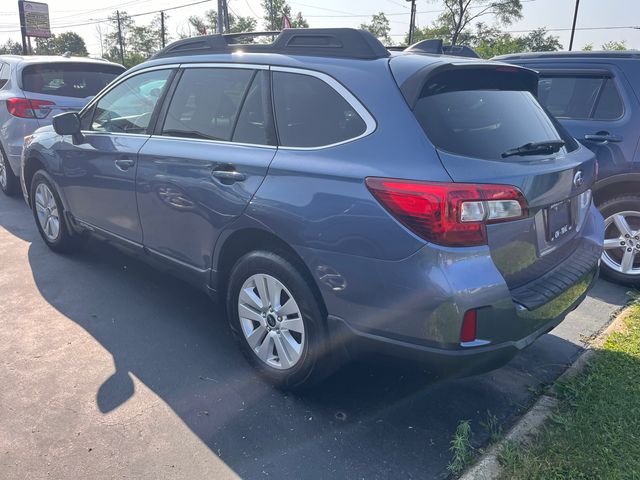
[(291, 353), (619, 243), (9, 183), (48, 212)]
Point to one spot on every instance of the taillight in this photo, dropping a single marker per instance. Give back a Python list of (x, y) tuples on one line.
[(26, 108), (451, 214), (469, 327)]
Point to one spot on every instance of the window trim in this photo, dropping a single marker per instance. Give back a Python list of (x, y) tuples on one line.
[(350, 98), (370, 122)]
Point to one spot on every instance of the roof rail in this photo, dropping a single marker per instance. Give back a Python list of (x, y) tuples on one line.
[(436, 46), (321, 42)]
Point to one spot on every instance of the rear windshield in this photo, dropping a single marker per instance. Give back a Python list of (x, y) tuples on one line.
[(484, 123), (78, 80)]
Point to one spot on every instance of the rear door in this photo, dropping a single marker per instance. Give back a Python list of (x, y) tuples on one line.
[(57, 87), (474, 117), (210, 151), (592, 102)]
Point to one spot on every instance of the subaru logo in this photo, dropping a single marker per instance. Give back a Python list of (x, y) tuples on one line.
[(578, 179)]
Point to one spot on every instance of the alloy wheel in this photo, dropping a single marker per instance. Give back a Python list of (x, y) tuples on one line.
[(622, 242), (47, 211), (271, 321)]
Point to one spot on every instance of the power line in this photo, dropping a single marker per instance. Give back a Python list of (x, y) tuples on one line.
[(102, 20), (633, 27)]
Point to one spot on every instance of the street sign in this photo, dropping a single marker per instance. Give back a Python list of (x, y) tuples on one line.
[(36, 19)]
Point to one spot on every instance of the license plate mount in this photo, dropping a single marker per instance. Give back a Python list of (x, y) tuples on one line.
[(559, 221)]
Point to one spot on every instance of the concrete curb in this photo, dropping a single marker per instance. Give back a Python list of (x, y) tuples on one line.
[(525, 429)]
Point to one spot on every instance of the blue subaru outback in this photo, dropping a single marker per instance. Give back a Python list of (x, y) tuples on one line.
[(339, 199)]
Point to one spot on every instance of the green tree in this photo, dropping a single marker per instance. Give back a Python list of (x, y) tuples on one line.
[(275, 10), (491, 41), (539, 40), (588, 47), (11, 47), (298, 21), (615, 45), (379, 28), (208, 23), (139, 42), (460, 14), (426, 33), (58, 44)]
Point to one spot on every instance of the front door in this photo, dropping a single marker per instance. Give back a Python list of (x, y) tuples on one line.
[(209, 154), (98, 175)]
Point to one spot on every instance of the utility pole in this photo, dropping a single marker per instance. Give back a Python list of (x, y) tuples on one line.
[(225, 12), (120, 37), (220, 17), (23, 27), (162, 34), (271, 12), (412, 22), (573, 28)]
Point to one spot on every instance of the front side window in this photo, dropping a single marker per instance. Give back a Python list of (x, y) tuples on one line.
[(207, 102), (127, 108), (310, 113), (580, 97)]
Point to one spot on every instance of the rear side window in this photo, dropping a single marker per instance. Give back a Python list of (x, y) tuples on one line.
[(485, 123), (310, 113), (77, 80), (580, 98), (207, 102), (255, 122), (609, 105)]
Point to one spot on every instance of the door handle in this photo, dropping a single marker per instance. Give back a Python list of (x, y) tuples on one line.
[(124, 164), (602, 137), (228, 176)]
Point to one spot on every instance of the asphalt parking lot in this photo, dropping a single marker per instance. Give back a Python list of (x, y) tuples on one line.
[(110, 369)]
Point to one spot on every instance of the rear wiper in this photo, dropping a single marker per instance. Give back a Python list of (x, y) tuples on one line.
[(535, 148)]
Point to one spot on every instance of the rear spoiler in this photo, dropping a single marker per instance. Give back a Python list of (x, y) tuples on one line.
[(468, 75)]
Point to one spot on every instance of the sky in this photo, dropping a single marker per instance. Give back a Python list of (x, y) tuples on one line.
[(65, 15)]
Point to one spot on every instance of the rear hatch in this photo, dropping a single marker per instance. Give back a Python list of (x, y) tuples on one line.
[(55, 87), (488, 128)]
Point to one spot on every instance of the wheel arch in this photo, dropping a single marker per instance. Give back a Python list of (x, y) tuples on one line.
[(250, 238), (615, 186), (32, 164)]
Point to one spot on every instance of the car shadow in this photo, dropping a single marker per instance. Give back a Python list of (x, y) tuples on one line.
[(368, 420)]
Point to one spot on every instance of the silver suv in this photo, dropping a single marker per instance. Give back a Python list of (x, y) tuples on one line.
[(36, 88)]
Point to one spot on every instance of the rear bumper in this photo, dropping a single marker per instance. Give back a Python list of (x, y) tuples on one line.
[(413, 308), (351, 343)]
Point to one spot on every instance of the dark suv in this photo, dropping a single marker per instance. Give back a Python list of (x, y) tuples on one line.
[(595, 95), (340, 199)]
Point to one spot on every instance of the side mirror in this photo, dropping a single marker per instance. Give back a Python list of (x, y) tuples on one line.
[(68, 123)]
